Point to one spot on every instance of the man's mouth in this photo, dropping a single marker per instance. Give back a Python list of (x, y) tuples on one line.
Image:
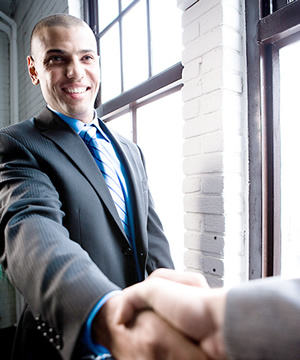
[(78, 90)]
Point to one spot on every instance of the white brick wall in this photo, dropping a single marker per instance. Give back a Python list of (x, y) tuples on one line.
[(4, 80), (215, 140)]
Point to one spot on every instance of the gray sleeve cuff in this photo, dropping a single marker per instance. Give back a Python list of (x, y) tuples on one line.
[(262, 320)]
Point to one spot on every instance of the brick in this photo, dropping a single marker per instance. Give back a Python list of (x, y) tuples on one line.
[(212, 184), (198, 10), (214, 223), (223, 58), (213, 142), (191, 32), (191, 70), (212, 81), (192, 51), (191, 90), (213, 266), (201, 125), (193, 222), (231, 39), (231, 16), (203, 204), (233, 3), (192, 184), (206, 265), (206, 164), (212, 19), (232, 81), (192, 146), (212, 102), (191, 109), (207, 243), (212, 60), (193, 259)]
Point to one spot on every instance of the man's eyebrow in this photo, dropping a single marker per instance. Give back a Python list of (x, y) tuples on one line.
[(60, 51)]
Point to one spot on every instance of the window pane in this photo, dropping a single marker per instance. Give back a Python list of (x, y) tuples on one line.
[(125, 3), (166, 31), (108, 10), (122, 124), (290, 154), (159, 134), (110, 64), (135, 53)]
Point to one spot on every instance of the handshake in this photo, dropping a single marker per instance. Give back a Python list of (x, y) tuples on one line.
[(168, 316)]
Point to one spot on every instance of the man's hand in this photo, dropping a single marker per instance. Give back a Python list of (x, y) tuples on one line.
[(145, 336), (185, 301)]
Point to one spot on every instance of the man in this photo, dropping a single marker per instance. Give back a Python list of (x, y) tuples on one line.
[(254, 321), (63, 243)]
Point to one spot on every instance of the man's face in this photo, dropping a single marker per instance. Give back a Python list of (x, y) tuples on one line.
[(66, 65)]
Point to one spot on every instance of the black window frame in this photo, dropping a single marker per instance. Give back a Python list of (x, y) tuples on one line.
[(168, 78), (270, 25)]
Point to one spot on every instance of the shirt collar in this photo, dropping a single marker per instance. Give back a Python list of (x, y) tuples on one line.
[(78, 125)]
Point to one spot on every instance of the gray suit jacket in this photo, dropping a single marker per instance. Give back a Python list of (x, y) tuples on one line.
[(263, 320), (61, 240)]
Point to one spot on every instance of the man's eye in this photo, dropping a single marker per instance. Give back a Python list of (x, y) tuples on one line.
[(55, 58), (87, 57)]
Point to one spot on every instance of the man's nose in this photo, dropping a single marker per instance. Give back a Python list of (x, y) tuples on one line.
[(74, 69)]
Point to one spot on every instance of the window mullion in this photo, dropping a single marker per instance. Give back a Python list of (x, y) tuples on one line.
[(149, 39), (121, 47), (134, 123)]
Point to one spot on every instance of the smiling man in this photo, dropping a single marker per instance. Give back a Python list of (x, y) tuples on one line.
[(78, 223), (66, 65)]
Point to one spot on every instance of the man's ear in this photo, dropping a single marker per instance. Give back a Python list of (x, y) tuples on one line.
[(32, 70)]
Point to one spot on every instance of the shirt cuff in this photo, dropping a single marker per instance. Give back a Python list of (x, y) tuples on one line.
[(86, 339)]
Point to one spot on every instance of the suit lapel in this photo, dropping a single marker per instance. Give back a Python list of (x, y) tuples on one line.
[(55, 129)]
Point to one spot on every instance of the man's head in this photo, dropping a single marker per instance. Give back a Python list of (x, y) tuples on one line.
[(65, 63)]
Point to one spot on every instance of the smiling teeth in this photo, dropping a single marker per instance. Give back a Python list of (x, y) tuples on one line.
[(76, 90)]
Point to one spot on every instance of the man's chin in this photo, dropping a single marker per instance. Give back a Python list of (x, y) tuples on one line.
[(81, 113)]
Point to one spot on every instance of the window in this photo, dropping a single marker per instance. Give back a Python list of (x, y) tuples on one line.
[(289, 71), (273, 34), (139, 44)]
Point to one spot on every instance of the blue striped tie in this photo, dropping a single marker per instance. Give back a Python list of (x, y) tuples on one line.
[(97, 147)]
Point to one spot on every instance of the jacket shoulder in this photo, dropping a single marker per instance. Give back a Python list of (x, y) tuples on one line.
[(24, 125)]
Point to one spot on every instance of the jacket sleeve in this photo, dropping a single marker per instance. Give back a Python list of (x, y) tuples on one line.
[(263, 320), (56, 276)]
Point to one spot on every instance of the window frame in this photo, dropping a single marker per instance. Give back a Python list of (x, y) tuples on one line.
[(166, 79), (270, 25)]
